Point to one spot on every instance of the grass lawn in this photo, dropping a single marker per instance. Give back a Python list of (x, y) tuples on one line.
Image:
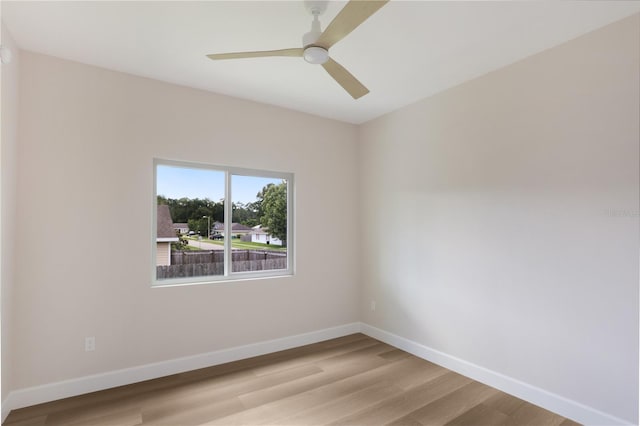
[(237, 244), (255, 246), (188, 248)]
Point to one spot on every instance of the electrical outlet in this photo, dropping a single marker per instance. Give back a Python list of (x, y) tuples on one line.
[(89, 344), (373, 305)]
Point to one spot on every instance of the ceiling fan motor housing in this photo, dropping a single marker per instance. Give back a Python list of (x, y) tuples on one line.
[(313, 35), (314, 54)]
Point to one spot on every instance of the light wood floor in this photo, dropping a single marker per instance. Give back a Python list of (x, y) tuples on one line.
[(352, 380)]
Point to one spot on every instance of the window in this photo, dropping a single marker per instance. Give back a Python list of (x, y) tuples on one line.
[(214, 223)]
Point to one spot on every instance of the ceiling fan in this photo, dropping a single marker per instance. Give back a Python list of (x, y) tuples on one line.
[(316, 43)]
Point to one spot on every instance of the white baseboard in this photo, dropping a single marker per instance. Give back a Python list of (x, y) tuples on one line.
[(50, 392), (550, 401), (6, 407)]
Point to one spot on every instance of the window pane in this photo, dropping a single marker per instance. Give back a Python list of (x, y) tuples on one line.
[(190, 202), (259, 228)]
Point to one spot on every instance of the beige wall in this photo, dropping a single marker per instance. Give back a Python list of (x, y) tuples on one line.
[(8, 231), (87, 140), (495, 197)]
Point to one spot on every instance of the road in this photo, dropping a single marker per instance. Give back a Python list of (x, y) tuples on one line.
[(205, 246)]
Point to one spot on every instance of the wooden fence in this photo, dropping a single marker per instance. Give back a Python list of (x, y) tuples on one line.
[(211, 262), (196, 257)]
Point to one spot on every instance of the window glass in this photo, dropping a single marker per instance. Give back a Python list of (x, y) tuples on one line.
[(199, 238), (259, 228), (189, 202)]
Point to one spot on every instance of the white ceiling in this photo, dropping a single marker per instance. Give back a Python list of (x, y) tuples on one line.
[(408, 50)]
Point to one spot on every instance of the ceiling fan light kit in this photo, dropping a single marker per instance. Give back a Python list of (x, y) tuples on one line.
[(316, 43), (316, 55)]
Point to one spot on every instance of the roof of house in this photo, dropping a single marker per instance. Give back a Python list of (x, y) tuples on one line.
[(259, 230), (219, 226), (165, 224), (239, 227)]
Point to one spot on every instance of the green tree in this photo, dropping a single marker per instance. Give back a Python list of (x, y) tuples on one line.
[(274, 208), (182, 243), (246, 214), (199, 225), (187, 210)]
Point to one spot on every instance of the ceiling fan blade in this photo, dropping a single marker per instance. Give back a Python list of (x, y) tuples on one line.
[(345, 79), (237, 55), (348, 19)]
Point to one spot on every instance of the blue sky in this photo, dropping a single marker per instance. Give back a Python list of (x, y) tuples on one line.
[(179, 182)]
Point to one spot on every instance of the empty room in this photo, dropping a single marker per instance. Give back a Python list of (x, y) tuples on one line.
[(320, 212)]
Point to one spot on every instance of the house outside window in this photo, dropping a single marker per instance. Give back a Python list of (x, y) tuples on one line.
[(165, 235)]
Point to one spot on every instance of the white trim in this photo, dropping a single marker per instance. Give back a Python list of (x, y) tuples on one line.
[(7, 406), (535, 395), (52, 391), (167, 240), (168, 253), (291, 226), (228, 224), (216, 279), (154, 224)]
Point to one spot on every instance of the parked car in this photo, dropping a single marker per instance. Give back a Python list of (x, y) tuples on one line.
[(217, 236)]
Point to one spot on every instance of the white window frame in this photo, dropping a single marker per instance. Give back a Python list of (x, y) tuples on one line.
[(228, 214)]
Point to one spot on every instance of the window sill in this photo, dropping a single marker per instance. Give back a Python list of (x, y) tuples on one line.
[(222, 279)]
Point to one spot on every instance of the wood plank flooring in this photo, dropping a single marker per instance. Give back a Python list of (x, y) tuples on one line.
[(352, 380)]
